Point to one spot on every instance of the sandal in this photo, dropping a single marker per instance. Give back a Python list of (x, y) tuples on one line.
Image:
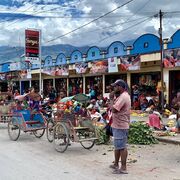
[(119, 171), (113, 166)]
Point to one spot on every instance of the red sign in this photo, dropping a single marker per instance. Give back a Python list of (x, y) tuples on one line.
[(32, 43)]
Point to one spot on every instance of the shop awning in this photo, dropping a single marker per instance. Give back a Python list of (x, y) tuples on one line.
[(36, 71)]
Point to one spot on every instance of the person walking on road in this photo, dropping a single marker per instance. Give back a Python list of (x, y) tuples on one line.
[(120, 125)]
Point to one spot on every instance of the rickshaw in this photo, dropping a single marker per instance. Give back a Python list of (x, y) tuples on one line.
[(27, 120), (71, 126)]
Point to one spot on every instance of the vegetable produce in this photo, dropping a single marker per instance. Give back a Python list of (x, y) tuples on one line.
[(140, 133)]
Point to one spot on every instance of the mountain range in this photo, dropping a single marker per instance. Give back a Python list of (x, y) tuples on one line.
[(14, 54)]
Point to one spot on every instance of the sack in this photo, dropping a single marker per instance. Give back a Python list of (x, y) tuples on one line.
[(109, 130)]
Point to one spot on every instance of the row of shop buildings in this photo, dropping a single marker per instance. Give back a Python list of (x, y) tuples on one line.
[(138, 64)]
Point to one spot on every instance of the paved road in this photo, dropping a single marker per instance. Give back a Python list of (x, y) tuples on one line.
[(30, 158)]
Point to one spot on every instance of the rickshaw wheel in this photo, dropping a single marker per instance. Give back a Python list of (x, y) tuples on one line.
[(39, 133), (87, 142), (13, 129), (49, 130), (60, 137)]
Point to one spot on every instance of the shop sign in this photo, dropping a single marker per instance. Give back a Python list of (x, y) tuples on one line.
[(171, 58), (32, 46), (130, 63), (15, 66), (99, 67), (112, 64), (25, 74), (57, 71), (81, 68)]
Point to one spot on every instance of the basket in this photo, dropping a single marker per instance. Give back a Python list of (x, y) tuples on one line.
[(64, 116), (5, 109)]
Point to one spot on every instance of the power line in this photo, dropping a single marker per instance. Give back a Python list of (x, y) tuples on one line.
[(13, 18), (19, 18), (121, 31), (138, 10), (90, 21)]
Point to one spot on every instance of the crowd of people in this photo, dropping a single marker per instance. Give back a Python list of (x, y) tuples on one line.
[(117, 117)]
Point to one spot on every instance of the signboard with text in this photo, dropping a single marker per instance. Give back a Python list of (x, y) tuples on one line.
[(32, 46), (112, 64)]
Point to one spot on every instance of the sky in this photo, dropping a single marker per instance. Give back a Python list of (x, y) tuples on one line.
[(103, 21)]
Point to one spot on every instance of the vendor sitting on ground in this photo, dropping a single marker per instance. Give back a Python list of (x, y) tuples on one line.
[(155, 120), (144, 104)]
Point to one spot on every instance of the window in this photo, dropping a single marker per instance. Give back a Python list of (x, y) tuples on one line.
[(75, 57), (115, 50), (93, 54), (146, 44)]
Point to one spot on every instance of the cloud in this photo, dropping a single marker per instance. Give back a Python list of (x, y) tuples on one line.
[(58, 17)]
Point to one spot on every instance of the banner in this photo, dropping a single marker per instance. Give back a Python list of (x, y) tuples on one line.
[(171, 58), (81, 67), (25, 74), (99, 67), (112, 64), (32, 46), (57, 71), (130, 63), (15, 66)]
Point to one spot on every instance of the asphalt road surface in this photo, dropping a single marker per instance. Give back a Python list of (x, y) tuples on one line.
[(30, 158)]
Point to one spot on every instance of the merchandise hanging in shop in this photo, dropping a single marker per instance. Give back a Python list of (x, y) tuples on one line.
[(75, 86), (61, 85), (95, 83)]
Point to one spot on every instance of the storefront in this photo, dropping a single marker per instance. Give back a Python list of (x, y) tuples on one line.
[(109, 79), (174, 83), (24, 86), (61, 85), (16, 85), (146, 85), (95, 82), (3, 86), (35, 84), (47, 84), (75, 85)]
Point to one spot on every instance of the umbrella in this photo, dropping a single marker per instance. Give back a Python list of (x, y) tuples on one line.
[(64, 100), (81, 98)]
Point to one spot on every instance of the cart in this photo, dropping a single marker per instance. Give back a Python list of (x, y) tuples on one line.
[(26, 120), (5, 107), (69, 126)]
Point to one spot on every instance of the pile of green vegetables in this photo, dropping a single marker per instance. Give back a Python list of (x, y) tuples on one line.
[(101, 135), (140, 133)]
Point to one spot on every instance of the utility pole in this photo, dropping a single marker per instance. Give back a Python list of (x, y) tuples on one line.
[(161, 54)]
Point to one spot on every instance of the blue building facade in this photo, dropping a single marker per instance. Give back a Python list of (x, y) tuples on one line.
[(146, 44)]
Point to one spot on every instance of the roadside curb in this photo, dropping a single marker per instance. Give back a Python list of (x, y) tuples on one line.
[(167, 140)]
